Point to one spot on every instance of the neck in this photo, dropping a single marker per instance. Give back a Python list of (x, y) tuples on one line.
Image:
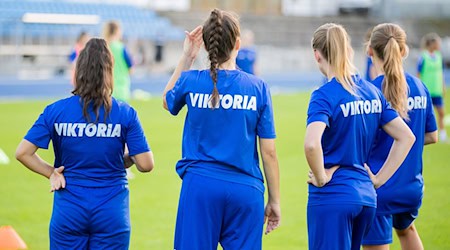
[(330, 74), (378, 65), (229, 65)]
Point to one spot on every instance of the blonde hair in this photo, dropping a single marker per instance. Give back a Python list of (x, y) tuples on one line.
[(388, 42), (429, 39), (110, 29), (333, 42)]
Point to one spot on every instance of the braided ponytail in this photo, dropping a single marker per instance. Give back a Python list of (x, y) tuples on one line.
[(220, 32), (215, 37)]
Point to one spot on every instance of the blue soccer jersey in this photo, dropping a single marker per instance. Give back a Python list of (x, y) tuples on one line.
[(369, 65), (246, 59), (92, 153), (352, 124), (404, 190), (221, 143)]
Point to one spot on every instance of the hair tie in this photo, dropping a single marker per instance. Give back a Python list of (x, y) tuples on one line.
[(389, 38)]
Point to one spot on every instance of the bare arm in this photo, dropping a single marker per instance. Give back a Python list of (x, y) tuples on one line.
[(319, 176), (26, 154), (403, 141), (192, 44), (313, 151), (431, 137), (271, 172), (144, 161)]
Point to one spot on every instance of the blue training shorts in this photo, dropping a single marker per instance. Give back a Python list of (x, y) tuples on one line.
[(380, 232), (437, 101), (338, 226), (90, 218), (213, 211)]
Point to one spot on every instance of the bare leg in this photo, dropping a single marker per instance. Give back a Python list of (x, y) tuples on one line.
[(440, 121), (376, 247), (409, 238)]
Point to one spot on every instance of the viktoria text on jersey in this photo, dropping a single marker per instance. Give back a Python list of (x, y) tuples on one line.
[(227, 101), (89, 130)]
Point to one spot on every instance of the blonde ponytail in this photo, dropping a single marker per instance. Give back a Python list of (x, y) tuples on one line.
[(388, 42), (333, 42)]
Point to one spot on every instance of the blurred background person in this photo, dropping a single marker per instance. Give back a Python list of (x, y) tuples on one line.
[(122, 61), (430, 67), (370, 69), (112, 33), (82, 39), (246, 58)]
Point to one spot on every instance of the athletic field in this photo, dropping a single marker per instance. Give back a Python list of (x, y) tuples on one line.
[(26, 204)]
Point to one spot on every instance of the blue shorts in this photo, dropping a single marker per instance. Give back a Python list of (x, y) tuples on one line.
[(437, 101), (338, 226), (380, 232), (90, 218), (213, 211)]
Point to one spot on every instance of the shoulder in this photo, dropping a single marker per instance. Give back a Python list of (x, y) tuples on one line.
[(369, 89), (121, 105), (378, 81), (64, 103), (415, 83)]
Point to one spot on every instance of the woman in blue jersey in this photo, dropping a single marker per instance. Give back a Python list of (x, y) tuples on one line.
[(222, 195), (400, 198), (343, 117), (89, 131)]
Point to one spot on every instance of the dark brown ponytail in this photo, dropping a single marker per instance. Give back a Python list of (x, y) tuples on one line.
[(220, 32), (94, 77)]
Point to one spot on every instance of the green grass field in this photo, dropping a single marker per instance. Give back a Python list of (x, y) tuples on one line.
[(26, 204)]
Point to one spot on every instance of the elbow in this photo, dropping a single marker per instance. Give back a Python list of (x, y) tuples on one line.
[(164, 104), (20, 154), (270, 154), (433, 138), (410, 138), (311, 146), (146, 167)]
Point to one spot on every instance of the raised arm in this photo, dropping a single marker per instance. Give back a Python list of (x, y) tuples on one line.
[(272, 174), (403, 141), (192, 44)]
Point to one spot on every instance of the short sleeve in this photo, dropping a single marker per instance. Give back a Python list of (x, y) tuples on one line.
[(127, 58), (135, 137), (430, 122), (40, 133), (319, 109), (420, 64), (266, 125), (176, 97), (387, 112), (72, 56)]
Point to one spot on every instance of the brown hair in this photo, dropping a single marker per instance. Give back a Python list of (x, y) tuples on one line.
[(110, 29), (94, 77), (220, 32), (333, 42), (388, 42)]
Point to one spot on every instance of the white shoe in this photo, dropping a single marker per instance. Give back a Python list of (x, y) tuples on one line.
[(443, 136)]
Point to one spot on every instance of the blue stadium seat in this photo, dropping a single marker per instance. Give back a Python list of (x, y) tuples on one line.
[(137, 23)]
